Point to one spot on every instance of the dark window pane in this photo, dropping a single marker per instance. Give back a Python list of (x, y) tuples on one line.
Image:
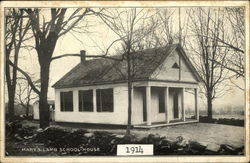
[(98, 98), (107, 100), (104, 100), (66, 101), (62, 101), (86, 100), (80, 99)]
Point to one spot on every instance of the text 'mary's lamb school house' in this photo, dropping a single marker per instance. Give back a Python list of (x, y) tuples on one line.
[(96, 91)]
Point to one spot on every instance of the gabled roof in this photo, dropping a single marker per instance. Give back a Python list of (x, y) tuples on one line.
[(102, 71)]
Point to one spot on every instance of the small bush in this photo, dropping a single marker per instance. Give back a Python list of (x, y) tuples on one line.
[(226, 121), (17, 132), (52, 136), (75, 139), (12, 127)]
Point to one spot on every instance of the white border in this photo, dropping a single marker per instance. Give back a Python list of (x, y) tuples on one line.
[(124, 4)]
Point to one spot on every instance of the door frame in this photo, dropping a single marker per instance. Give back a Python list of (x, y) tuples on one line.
[(144, 105), (176, 105)]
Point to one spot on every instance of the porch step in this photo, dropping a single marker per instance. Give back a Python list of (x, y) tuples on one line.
[(145, 126)]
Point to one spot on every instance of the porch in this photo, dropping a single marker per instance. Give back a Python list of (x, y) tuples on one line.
[(164, 104)]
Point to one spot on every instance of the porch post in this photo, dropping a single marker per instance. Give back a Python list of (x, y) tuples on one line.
[(196, 103), (94, 100), (182, 105), (167, 104), (148, 104)]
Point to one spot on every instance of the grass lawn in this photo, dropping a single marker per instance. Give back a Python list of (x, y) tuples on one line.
[(206, 133)]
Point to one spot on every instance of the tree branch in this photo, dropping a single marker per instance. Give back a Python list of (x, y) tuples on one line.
[(88, 56), (27, 77), (65, 55), (74, 23), (239, 73)]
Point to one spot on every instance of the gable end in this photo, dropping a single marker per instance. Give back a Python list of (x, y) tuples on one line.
[(176, 67)]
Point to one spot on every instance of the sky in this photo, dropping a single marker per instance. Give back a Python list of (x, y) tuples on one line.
[(94, 43)]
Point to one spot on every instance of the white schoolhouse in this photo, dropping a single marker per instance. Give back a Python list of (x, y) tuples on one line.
[(95, 91)]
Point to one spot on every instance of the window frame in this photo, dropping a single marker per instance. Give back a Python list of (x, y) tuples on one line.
[(161, 101), (102, 95), (81, 97), (63, 104)]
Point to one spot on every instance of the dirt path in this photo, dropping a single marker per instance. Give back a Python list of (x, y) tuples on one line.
[(205, 133)]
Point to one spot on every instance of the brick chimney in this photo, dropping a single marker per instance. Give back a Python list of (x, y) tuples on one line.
[(83, 56)]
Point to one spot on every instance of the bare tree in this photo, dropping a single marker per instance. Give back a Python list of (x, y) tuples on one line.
[(168, 31), (130, 31), (166, 28), (165, 33), (235, 40), (47, 29), (131, 28), (25, 93), (208, 55), (15, 36)]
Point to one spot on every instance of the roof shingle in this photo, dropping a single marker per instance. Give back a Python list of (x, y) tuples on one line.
[(104, 70)]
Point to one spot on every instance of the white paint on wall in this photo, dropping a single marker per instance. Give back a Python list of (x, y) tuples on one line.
[(186, 72), (189, 103), (118, 116), (137, 109), (137, 114), (171, 104), (165, 71), (156, 116), (36, 110)]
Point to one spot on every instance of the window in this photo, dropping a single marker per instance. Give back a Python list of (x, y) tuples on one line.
[(66, 99), (161, 101), (86, 100), (104, 100), (175, 65)]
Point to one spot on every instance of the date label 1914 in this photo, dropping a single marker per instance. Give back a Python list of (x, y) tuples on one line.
[(134, 149)]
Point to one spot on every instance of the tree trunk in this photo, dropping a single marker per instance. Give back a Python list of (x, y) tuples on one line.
[(45, 51), (129, 95), (27, 109), (11, 105), (28, 100), (43, 104), (209, 105), (11, 84)]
